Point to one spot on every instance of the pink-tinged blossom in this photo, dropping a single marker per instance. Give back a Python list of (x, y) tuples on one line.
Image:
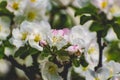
[(58, 38), (73, 48), (42, 43)]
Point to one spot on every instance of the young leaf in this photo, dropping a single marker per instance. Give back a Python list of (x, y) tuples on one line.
[(20, 51), (83, 62), (3, 4), (76, 62), (89, 9), (1, 52), (84, 19), (116, 29), (95, 26)]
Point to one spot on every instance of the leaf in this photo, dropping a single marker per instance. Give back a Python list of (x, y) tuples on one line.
[(116, 29), (84, 19), (83, 61), (89, 9), (95, 26), (20, 51), (76, 62), (62, 53), (3, 4), (117, 19), (7, 44), (113, 51), (1, 52), (105, 30)]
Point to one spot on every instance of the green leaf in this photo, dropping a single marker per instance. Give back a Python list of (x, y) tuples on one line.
[(117, 19), (1, 52), (116, 29), (76, 76), (95, 26), (3, 4), (20, 51), (84, 19), (76, 62), (105, 30), (113, 51), (7, 44), (89, 9), (62, 53), (83, 61)]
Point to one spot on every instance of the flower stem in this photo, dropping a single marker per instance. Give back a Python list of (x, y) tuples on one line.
[(101, 47)]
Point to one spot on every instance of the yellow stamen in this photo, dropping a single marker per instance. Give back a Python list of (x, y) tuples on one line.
[(114, 9), (56, 39), (15, 6), (24, 36), (96, 78), (85, 68), (91, 50), (31, 15), (37, 38), (51, 69), (104, 4), (0, 28), (33, 0)]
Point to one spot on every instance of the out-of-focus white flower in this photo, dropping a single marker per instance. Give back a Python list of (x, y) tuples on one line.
[(62, 2), (27, 61), (111, 35), (101, 74), (20, 37), (113, 68), (92, 54), (80, 3), (4, 67), (16, 6), (20, 73), (58, 38), (4, 27), (9, 51), (80, 37), (108, 70), (38, 33), (110, 7), (33, 32), (50, 71), (117, 77), (31, 10)]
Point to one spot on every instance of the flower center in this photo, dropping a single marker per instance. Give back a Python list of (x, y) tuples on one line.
[(31, 16), (114, 9), (15, 6), (0, 28), (33, 0), (24, 36), (56, 39), (51, 69), (104, 4), (96, 78), (85, 68), (37, 38), (91, 50)]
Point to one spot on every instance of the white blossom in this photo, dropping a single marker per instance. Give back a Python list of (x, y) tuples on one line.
[(4, 27)]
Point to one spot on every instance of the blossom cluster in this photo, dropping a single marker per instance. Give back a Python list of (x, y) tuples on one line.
[(30, 32)]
